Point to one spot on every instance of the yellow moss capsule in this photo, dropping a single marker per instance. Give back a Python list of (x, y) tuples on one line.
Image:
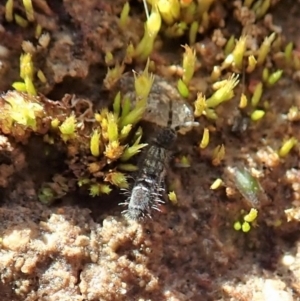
[(98, 117), (29, 10), (265, 48), (200, 105), (296, 62), (287, 147), (104, 128), (9, 8), (277, 223), (94, 167), (293, 114), (135, 115), (203, 6), (225, 93), (237, 226), (228, 61), (256, 5), (205, 21), (22, 111), (193, 32), (68, 128), (44, 40), (216, 184), (30, 86), (173, 197), (38, 31), (112, 127), (19, 86), (251, 64), (21, 21), (274, 77), (127, 167), (129, 53), (248, 3), (265, 75), (143, 82), (257, 115), (257, 94), (243, 101), (109, 59), (239, 51), (48, 139), (235, 58), (46, 195), (124, 17), (188, 10), (246, 227), (145, 47), (125, 132), (137, 136), (277, 45), (132, 151), (105, 188), (169, 10), (218, 155), (188, 64), (95, 143), (152, 27), (153, 24), (41, 76), (251, 216), (184, 162), (117, 178), (205, 138), (288, 51), (219, 84), (126, 105), (266, 104), (182, 88), (95, 190), (55, 123), (216, 73), (262, 9), (113, 75), (211, 114), (113, 150), (176, 30), (186, 3), (229, 45), (26, 66), (82, 182), (175, 8)]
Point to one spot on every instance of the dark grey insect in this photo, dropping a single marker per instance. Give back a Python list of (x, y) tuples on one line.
[(149, 186)]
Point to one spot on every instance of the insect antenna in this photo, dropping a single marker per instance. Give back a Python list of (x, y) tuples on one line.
[(146, 9), (170, 117)]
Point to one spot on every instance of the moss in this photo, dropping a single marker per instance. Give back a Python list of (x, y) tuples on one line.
[(106, 138)]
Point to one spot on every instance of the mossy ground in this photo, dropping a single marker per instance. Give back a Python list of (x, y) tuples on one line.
[(82, 248)]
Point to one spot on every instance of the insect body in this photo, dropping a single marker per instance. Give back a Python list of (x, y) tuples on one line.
[(149, 185), (164, 102)]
